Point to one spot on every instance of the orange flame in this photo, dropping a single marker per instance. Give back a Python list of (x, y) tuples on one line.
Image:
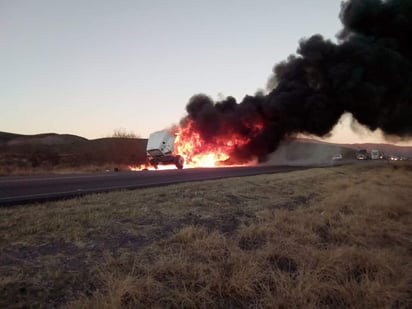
[(199, 153), (148, 167)]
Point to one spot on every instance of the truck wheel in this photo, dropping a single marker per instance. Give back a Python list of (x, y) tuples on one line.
[(179, 162), (154, 163)]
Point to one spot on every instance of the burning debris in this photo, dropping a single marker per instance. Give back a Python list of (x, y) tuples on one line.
[(368, 73)]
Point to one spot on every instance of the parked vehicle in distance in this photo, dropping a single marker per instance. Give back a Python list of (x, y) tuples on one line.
[(337, 156), (393, 158), (376, 154), (362, 154)]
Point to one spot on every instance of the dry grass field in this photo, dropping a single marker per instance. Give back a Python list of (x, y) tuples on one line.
[(336, 237)]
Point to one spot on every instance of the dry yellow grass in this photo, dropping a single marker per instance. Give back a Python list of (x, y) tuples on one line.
[(322, 238)]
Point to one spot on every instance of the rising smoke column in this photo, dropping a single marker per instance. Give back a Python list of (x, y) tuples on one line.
[(368, 73)]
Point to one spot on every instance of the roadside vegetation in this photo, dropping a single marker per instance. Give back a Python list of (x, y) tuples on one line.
[(123, 133), (336, 237)]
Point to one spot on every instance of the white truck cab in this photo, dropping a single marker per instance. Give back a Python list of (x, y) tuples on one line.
[(160, 150)]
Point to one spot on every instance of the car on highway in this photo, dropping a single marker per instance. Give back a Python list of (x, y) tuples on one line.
[(362, 154), (337, 156)]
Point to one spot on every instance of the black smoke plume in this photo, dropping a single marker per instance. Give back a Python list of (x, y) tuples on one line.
[(368, 73)]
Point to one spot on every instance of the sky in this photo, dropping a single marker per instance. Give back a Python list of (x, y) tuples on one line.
[(94, 67)]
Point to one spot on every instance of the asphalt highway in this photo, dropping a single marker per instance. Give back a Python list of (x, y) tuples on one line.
[(16, 190)]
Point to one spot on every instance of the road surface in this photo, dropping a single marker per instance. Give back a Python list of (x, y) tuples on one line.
[(16, 190)]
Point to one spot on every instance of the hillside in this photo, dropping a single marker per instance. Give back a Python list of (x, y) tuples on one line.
[(11, 139), (53, 150)]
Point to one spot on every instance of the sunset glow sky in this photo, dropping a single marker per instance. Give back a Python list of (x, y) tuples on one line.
[(92, 67)]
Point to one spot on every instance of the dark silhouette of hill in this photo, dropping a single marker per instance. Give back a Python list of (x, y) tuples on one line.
[(67, 150), (11, 139)]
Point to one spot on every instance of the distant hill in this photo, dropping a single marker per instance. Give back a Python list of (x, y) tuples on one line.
[(11, 139), (51, 149)]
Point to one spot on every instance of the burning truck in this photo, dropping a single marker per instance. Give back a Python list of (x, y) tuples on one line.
[(308, 93), (160, 150)]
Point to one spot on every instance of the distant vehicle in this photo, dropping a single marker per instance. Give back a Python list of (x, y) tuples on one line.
[(160, 150), (337, 156), (393, 158), (376, 154), (362, 154)]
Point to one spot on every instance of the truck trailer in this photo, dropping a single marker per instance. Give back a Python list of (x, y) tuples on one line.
[(160, 150), (376, 154)]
